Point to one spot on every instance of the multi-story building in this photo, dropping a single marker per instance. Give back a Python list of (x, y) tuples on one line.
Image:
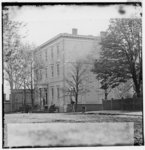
[(55, 57)]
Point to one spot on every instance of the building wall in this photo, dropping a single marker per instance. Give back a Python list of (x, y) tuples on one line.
[(78, 49), (70, 50), (63, 51), (52, 56)]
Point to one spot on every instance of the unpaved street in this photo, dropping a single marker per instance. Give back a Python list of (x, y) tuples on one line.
[(77, 124)]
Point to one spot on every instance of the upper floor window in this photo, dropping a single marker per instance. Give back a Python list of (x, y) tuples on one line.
[(40, 56), (46, 54), (57, 50), (58, 69), (46, 72), (52, 52), (40, 74), (36, 74), (52, 70)]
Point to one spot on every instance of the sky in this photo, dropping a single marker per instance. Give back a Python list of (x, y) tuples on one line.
[(45, 22)]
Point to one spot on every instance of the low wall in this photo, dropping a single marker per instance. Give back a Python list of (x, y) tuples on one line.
[(131, 104), (18, 96), (7, 107), (89, 107)]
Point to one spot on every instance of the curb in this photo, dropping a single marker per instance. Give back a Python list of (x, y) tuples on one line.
[(101, 113)]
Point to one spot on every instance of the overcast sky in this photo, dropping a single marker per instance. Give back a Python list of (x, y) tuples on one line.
[(45, 22)]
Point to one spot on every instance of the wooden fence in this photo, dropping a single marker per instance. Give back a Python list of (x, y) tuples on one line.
[(130, 104), (7, 107)]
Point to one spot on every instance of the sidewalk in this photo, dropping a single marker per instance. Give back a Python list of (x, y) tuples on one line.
[(111, 112)]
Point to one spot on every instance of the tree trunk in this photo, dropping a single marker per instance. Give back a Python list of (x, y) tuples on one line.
[(32, 88), (32, 98), (138, 92), (24, 96), (106, 94), (11, 89), (76, 104), (135, 81)]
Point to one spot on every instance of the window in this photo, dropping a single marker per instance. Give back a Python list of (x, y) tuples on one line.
[(40, 56), (58, 94), (46, 54), (52, 93), (46, 72), (40, 77), (46, 98), (52, 70), (37, 74), (52, 52), (57, 50), (58, 70)]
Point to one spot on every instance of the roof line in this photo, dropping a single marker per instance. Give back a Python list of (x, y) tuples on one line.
[(67, 36)]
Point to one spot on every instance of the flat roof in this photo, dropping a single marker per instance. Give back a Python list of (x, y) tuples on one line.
[(67, 35)]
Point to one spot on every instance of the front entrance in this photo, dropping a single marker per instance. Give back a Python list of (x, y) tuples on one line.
[(43, 98)]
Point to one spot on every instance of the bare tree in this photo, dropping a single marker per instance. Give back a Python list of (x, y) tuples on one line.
[(38, 66), (11, 46), (28, 70), (76, 80)]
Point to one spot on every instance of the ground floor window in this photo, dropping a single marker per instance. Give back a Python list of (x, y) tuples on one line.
[(58, 92), (52, 92)]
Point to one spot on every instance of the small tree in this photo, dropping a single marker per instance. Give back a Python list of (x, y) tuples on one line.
[(76, 81), (38, 66)]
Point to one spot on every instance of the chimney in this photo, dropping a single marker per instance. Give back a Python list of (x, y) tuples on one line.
[(74, 31)]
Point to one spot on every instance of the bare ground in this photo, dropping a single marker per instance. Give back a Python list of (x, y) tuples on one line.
[(75, 118)]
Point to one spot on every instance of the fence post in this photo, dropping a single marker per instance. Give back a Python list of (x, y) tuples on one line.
[(122, 103), (133, 104), (102, 104), (111, 103)]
